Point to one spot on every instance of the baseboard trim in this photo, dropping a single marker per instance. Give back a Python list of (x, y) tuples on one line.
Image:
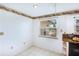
[(28, 46), (31, 45), (49, 50)]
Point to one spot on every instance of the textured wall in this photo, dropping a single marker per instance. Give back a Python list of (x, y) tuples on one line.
[(17, 33)]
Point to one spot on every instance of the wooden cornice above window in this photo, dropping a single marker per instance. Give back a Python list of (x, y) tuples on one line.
[(76, 11)]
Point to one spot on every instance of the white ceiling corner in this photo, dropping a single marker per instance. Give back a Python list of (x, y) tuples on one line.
[(42, 9)]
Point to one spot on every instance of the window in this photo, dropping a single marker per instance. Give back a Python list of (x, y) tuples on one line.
[(77, 26), (48, 28)]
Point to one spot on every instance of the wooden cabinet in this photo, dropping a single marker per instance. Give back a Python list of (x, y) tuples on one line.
[(69, 38)]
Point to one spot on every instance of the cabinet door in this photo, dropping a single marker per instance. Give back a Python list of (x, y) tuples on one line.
[(73, 49)]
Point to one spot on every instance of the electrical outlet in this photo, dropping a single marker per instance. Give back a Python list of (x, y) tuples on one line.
[(24, 43), (11, 47), (1, 33)]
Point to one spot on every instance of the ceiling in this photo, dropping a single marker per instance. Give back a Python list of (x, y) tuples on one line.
[(42, 8)]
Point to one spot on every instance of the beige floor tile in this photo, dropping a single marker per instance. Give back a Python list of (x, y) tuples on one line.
[(35, 51)]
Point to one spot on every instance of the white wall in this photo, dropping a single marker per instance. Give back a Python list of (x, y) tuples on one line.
[(66, 23), (17, 30)]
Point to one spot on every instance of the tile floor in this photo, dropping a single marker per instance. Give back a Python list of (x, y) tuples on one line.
[(35, 51)]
